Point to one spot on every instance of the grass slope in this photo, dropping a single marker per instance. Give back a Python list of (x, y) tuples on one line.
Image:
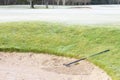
[(71, 41)]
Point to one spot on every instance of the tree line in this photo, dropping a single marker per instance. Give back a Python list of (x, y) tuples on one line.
[(57, 2)]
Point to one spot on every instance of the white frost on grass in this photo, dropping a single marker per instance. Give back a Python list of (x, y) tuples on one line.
[(96, 14)]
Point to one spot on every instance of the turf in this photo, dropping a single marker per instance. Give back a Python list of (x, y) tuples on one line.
[(65, 40)]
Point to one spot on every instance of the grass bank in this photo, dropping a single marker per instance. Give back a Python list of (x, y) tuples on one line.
[(63, 40)]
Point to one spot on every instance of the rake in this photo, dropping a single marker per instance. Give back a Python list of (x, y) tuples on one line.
[(76, 61)]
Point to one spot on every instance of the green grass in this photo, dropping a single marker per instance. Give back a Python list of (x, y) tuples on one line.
[(71, 41)]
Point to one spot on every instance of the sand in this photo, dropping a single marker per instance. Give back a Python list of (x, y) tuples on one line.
[(31, 66)]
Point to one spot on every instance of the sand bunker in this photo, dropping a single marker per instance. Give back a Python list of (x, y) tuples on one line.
[(29, 66)]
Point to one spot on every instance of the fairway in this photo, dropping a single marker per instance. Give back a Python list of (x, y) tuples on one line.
[(94, 14), (63, 40)]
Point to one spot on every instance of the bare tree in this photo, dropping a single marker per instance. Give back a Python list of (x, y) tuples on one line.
[(46, 3), (81, 1), (57, 1), (118, 1), (31, 3)]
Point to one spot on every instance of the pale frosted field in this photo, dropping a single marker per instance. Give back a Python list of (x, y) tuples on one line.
[(92, 14)]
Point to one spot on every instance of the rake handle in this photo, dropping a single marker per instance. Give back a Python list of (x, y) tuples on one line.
[(68, 64)]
